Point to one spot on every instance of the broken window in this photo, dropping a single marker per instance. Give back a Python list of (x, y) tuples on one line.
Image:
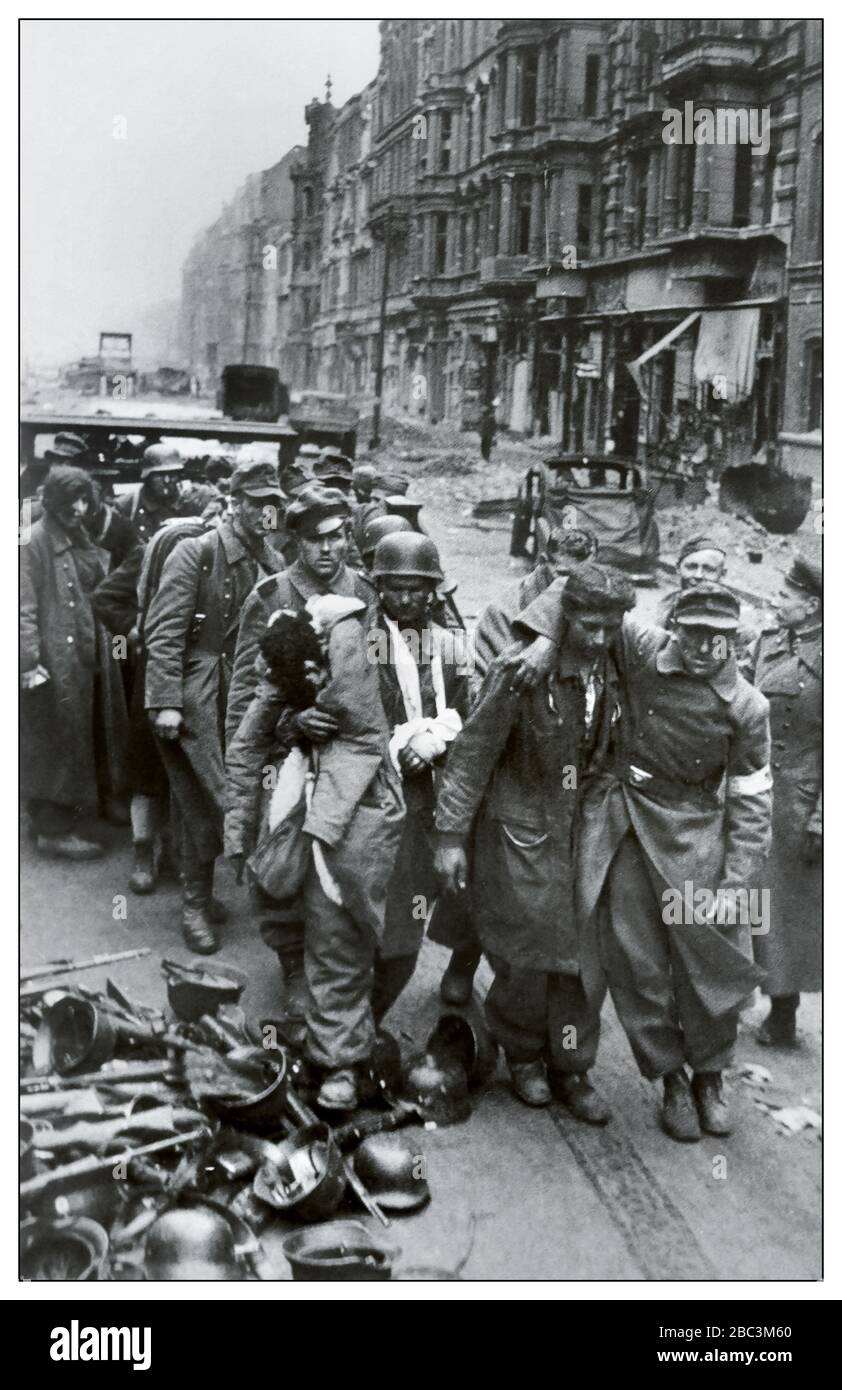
[(440, 245), (813, 383), (584, 214), (592, 84), (445, 137), (742, 186), (528, 64)]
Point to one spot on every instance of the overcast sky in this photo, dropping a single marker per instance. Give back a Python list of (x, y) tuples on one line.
[(106, 222)]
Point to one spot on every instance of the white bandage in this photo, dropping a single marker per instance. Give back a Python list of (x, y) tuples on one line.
[(752, 784)]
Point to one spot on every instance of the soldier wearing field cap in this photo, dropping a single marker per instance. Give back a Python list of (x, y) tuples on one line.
[(334, 469), (190, 634), (317, 519), (671, 831), (787, 666), (687, 801), (703, 560)]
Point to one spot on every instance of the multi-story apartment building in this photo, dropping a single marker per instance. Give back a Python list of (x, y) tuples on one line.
[(610, 227), (236, 279)]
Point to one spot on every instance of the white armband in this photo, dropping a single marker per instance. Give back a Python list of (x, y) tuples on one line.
[(752, 784)]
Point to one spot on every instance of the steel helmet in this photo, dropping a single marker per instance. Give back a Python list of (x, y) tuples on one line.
[(74, 1249), (305, 1177), (393, 1172), (378, 527), (438, 1090), (191, 1243), (407, 554)]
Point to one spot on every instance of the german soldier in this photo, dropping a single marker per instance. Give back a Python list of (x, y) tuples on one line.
[(190, 634), (787, 668)]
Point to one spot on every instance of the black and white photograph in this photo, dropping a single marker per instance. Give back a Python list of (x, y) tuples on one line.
[(420, 685)]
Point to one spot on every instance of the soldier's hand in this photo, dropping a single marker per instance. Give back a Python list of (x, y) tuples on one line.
[(411, 762), (530, 666), (35, 677), (167, 723), (811, 847), (315, 725), (451, 865)]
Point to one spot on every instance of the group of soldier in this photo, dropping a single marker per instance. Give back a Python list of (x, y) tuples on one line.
[(276, 670)]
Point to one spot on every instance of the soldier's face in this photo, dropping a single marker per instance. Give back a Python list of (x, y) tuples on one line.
[(258, 515), (406, 599), (703, 650), (700, 566), (590, 631), (324, 556), (163, 486), (73, 514), (794, 606)]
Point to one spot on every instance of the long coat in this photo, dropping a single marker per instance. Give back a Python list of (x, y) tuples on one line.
[(59, 631), (514, 774), (291, 588), (190, 633), (690, 778), (790, 676), (356, 809)]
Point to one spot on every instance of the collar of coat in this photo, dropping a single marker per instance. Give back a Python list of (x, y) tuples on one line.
[(61, 540), (236, 549), (670, 662), (308, 586)]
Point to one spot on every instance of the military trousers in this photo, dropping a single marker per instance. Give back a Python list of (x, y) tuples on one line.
[(662, 1015), (200, 817), (535, 1013), (349, 986)]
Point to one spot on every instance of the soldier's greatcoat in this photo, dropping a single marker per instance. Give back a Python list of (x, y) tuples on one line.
[(789, 673), (190, 634), (83, 697)]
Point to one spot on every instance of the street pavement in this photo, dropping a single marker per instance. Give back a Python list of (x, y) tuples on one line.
[(516, 1193)]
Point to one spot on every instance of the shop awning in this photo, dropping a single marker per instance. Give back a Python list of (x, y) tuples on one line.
[(726, 351), (640, 362)]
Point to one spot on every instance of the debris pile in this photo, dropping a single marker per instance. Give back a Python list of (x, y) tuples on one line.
[(162, 1144)]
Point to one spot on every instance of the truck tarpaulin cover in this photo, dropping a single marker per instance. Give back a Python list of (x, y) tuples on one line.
[(622, 522)]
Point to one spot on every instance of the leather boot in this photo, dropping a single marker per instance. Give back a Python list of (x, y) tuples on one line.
[(577, 1093), (711, 1103), (197, 927), (678, 1116), (143, 877), (529, 1082), (457, 982), (339, 1091), (778, 1027)]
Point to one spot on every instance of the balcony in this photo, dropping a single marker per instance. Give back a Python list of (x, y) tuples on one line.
[(705, 55), (506, 273)]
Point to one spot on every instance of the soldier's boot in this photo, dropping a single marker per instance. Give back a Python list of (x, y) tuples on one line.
[(529, 1082), (678, 1116), (196, 925), (778, 1027), (711, 1104), (457, 982), (339, 1091), (291, 961), (143, 877), (577, 1093)]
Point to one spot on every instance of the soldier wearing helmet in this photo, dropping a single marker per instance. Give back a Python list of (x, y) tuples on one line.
[(423, 690), (160, 496)]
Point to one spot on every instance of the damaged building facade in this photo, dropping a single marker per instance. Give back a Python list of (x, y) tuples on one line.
[(609, 228)]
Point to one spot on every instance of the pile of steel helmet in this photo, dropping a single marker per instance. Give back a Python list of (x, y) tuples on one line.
[(180, 1143)]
